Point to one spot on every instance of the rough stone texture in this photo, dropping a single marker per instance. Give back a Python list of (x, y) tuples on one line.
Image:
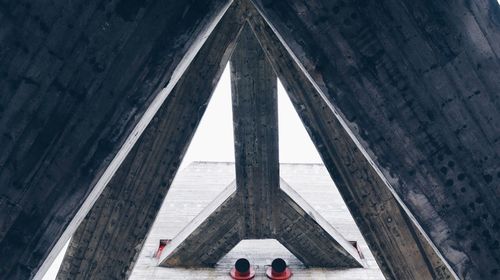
[(108, 241), (416, 83), (201, 182), (76, 78), (384, 225), (257, 205)]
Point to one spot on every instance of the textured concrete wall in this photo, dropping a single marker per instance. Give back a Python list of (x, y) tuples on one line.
[(417, 84), (76, 77), (385, 226), (107, 242)]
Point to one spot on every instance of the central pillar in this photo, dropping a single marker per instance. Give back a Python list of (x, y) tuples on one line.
[(255, 115)]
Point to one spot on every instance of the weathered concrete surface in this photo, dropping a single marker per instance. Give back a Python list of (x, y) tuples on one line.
[(77, 77), (255, 122), (211, 234), (259, 208), (308, 236), (108, 241), (416, 84), (221, 226), (384, 225), (200, 183)]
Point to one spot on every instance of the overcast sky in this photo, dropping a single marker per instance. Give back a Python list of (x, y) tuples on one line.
[(213, 140)]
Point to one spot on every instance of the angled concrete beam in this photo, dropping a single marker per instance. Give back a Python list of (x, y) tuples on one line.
[(420, 104), (384, 225), (311, 238), (109, 239), (221, 225), (211, 234), (267, 210), (81, 84)]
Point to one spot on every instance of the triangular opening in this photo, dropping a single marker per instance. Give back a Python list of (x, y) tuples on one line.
[(295, 145), (214, 139)]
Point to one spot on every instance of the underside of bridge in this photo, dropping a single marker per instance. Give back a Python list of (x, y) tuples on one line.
[(100, 100)]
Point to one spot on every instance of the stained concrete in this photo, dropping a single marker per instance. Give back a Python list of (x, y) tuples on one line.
[(78, 78), (108, 241), (416, 84)]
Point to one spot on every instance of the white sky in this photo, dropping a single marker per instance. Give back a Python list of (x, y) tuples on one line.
[(213, 140)]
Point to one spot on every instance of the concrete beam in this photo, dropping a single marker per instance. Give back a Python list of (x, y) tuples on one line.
[(421, 106), (82, 80), (255, 119), (384, 225), (311, 238), (109, 239), (211, 234), (266, 210)]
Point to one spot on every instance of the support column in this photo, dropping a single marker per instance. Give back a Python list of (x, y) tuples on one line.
[(255, 118)]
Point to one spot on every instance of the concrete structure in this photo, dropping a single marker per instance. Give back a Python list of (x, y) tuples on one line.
[(407, 91), (258, 205), (384, 222), (201, 182), (82, 80), (133, 194)]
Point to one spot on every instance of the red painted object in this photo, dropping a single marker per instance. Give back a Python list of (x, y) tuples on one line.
[(242, 270), (278, 270), (163, 243)]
